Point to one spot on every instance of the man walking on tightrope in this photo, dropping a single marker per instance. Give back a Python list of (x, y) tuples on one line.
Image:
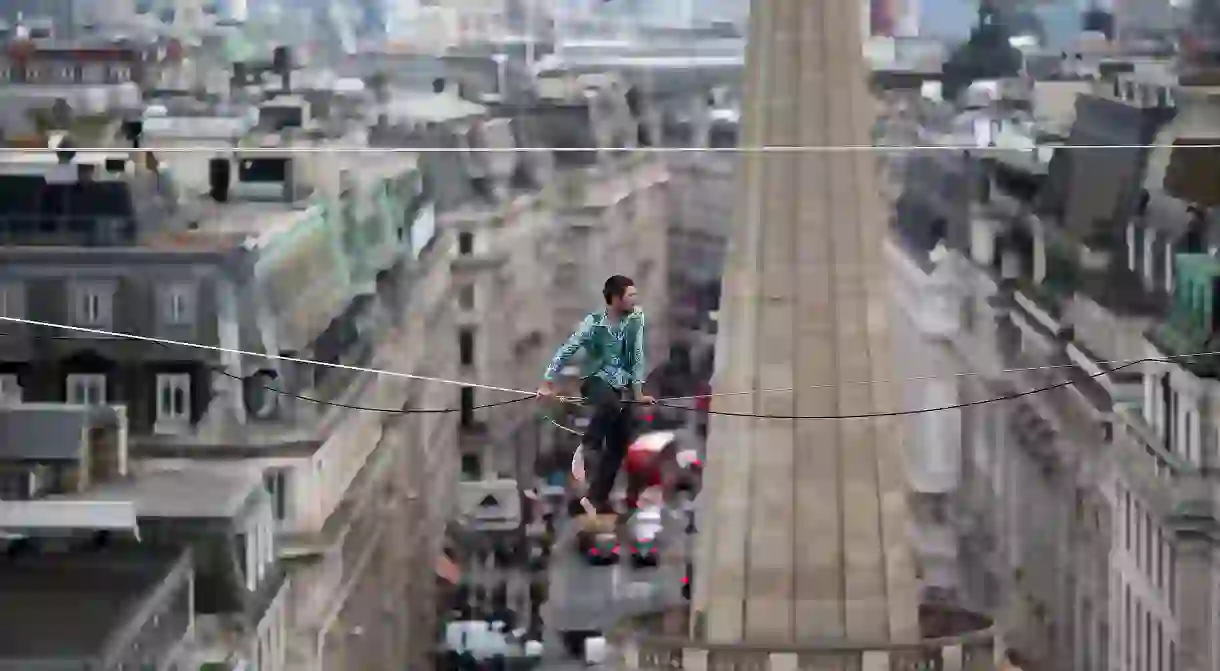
[(612, 378)]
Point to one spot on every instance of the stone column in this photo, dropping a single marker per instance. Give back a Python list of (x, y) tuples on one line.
[(805, 531)]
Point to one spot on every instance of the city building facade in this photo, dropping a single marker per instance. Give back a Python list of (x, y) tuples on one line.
[(1078, 515), (254, 260)]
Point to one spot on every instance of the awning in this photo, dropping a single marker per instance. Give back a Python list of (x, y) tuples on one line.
[(447, 570)]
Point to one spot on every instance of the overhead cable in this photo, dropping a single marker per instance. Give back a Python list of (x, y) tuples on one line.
[(666, 402)]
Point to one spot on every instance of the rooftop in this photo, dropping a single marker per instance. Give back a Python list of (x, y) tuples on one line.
[(197, 492), (51, 431), (69, 606), (432, 107)]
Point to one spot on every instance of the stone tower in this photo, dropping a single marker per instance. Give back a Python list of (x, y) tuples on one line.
[(804, 531)]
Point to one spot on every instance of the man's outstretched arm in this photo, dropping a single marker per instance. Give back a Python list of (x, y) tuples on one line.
[(568, 349)]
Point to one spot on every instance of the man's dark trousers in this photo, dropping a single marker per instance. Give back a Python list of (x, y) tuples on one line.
[(608, 436)]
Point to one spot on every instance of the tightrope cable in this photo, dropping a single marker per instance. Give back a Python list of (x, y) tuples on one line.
[(666, 402), (766, 149)]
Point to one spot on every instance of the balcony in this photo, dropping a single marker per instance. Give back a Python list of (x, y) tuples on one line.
[(658, 642)]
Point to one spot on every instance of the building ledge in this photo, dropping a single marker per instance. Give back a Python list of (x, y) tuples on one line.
[(646, 642), (1045, 306)]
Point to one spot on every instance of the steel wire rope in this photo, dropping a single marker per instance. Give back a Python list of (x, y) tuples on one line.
[(662, 402), (880, 148)]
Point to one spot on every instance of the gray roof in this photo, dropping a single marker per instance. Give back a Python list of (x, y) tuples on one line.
[(199, 492), (47, 432), (67, 607)]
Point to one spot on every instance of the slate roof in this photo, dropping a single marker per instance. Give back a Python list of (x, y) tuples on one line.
[(47, 432), (200, 492), (67, 607)]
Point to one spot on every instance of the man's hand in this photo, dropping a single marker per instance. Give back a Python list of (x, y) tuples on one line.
[(546, 390), (646, 399)]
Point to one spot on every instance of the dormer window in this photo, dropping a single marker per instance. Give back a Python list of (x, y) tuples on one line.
[(178, 304), (92, 303)]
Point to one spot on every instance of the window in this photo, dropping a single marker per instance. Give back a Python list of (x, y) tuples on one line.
[(67, 73), (466, 412), (92, 305), (1132, 247), (466, 347), (178, 304), (262, 543), (12, 300), (1127, 517), (1171, 581), (86, 389), (173, 399), (245, 548), (10, 389), (466, 297), (276, 482), (1161, 562), (1190, 433), (33, 73), (1159, 656), (1127, 622), (93, 74), (472, 469), (1148, 639), (465, 243)]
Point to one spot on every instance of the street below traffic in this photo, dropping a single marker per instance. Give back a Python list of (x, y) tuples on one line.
[(586, 598)]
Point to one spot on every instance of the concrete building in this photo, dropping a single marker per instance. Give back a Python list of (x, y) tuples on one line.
[(328, 258), (85, 79), (202, 586), (1079, 511)]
